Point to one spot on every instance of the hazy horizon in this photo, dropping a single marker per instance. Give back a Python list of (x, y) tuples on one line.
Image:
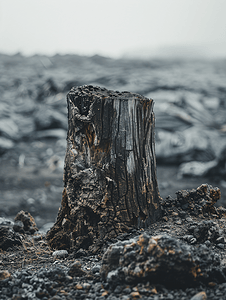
[(118, 28)]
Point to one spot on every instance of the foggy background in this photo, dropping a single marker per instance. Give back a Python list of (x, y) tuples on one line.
[(114, 28)]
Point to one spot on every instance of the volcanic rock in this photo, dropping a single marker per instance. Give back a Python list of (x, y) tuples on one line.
[(160, 259), (28, 221), (9, 238), (196, 202)]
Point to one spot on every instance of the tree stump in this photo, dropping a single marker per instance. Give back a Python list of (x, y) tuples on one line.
[(110, 179)]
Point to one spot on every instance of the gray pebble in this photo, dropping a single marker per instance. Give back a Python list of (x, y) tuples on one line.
[(207, 243), (189, 219), (221, 246), (96, 269), (60, 253), (220, 240), (199, 296)]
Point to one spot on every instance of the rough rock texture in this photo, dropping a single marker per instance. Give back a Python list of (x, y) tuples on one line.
[(182, 258), (9, 238), (197, 202), (161, 259), (4, 274), (28, 222), (110, 168)]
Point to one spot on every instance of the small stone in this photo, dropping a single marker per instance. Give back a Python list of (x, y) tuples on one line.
[(118, 289), (80, 252), (135, 295), (165, 219), (86, 286), (193, 240), (221, 246), (63, 292), (189, 219), (127, 290), (178, 222), (212, 284), (4, 274), (96, 269), (125, 297), (56, 297), (207, 243), (79, 286), (182, 214), (112, 275), (60, 254), (220, 240), (104, 293), (76, 270), (199, 296), (154, 291), (97, 287), (69, 278), (175, 214)]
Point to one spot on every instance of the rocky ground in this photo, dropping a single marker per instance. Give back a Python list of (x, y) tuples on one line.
[(180, 257), (190, 98)]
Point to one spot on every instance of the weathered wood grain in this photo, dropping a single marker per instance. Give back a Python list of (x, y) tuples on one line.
[(110, 179)]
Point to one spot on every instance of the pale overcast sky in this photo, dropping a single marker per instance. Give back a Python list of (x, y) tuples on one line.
[(112, 27)]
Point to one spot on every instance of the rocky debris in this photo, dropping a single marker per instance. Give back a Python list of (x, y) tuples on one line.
[(10, 231), (196, 202), (161, 259), (193, 270), (4, 274), (9, 238), (158, 263), (76, 270), (29, 225), (206, 232)]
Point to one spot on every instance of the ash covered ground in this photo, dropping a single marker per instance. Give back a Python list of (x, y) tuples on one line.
[(190, 110)]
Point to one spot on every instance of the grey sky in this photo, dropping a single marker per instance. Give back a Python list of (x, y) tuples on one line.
[(112, 27)]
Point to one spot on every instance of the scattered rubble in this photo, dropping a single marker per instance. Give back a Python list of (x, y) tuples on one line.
[(9, 238), (196, 202), (182, 257), (28, 223)]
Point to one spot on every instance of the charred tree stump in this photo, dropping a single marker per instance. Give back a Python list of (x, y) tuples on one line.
[(110, 179)]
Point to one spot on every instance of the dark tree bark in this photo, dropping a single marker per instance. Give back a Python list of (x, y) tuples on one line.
[(110, 167)]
